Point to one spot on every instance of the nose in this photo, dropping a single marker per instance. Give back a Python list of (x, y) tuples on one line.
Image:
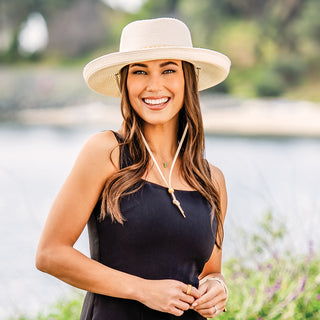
[(154, 83)]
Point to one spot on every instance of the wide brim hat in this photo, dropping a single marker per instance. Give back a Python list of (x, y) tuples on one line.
[(155, 39)]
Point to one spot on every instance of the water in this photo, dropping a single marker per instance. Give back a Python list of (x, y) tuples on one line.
[(278, 174)]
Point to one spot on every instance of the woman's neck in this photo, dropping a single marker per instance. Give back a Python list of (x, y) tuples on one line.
[(163, 141)]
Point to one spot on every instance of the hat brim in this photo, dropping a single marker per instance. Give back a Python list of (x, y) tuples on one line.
[(100, 73)]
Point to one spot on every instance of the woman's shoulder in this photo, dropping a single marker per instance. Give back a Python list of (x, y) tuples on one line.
[(218, 178), (99, 147), (103, 140), (216, 174)]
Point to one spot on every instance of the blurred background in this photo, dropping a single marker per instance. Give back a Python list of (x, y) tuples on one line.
[(262, 123)]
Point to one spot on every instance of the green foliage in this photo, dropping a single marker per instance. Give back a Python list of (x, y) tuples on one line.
[(285, 72), (64, 309), (160, 8), (268, 84), (268, 283), (290, 68), (280, 288)]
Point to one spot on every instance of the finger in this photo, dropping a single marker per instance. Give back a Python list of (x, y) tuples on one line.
[(187, 298), (202, 290), (177, 312), (216, 301), (214, 314), (182, 305), (211, 312), (213, 295), (194, 292), (221, 306), (208, 297)]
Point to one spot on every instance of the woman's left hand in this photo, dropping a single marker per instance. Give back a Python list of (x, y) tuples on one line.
[(212, 301)]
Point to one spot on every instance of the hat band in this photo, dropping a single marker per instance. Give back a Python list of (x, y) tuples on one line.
[(153, 46)]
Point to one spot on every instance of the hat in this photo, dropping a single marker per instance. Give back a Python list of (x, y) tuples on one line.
[(154, 39)]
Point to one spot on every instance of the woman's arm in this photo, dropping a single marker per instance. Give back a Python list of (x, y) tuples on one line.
[(213, 294), (69, 214), (66, 220)]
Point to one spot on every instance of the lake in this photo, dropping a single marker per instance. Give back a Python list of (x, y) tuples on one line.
[(281, 175)]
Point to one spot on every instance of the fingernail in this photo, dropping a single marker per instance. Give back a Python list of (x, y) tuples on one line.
[(194, 304)]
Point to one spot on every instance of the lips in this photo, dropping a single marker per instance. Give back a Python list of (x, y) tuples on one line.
[(156, 102)]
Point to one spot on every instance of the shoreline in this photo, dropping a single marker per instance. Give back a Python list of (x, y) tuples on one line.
[(222, 115), (257, 117)]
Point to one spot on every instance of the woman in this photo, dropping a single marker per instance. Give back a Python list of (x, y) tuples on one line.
[(154, 206)]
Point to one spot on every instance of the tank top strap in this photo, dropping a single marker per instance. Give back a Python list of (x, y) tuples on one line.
[(125, 158)]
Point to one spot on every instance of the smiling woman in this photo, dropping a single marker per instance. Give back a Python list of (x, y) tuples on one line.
[(155, 231), (156, 86)]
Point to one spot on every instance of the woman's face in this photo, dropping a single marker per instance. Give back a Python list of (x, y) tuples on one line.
[(156, 90)]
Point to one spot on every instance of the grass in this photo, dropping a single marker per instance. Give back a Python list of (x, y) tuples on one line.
[(272, 283), (64, 309), (265, 282), (280, 288)]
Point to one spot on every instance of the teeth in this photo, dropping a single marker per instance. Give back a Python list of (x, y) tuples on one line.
[(156, 101)]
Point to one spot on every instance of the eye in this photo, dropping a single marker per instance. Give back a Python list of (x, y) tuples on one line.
[(139, 72), (169, 71)]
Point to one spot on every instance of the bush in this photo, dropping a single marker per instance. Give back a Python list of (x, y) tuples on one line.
[(64, 309), (222, 87), (285, 288), (291, 69), (270, 284), (269, 84)]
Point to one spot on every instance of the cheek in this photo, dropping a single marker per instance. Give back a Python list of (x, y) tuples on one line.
[(133, 90), (179, 88)]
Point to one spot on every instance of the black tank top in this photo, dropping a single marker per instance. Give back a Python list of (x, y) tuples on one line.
[(155, 242)]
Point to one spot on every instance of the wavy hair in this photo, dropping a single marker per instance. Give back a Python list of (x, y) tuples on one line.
[(194, 168)]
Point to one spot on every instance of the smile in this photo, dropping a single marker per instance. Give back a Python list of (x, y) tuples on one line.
[(155, 102)]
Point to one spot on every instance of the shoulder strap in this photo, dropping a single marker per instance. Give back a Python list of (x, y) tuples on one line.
[(125, 158), (117, 136)]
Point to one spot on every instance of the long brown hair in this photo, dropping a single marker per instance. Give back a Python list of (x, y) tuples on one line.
[(194, 167)]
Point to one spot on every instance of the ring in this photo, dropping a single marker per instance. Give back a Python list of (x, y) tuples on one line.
[(216, 309), (189, 287)]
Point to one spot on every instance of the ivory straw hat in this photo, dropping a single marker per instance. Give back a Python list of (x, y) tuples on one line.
[(153, 39)]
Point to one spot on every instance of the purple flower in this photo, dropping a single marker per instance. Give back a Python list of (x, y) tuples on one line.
[(299, 289), (277, 285), (273, 290), (310, 256), (318, 297), (275, 255), (269, 266), (311, 250)]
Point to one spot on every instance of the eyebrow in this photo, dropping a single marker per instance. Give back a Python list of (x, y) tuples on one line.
[(161, 65), (167, 63)]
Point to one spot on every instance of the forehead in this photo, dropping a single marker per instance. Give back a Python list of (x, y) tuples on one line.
[(157, 63)]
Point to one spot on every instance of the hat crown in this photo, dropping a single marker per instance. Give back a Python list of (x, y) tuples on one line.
[(152, 33)]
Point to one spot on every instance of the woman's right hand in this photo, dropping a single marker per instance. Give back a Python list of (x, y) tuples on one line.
[(168, 296)]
